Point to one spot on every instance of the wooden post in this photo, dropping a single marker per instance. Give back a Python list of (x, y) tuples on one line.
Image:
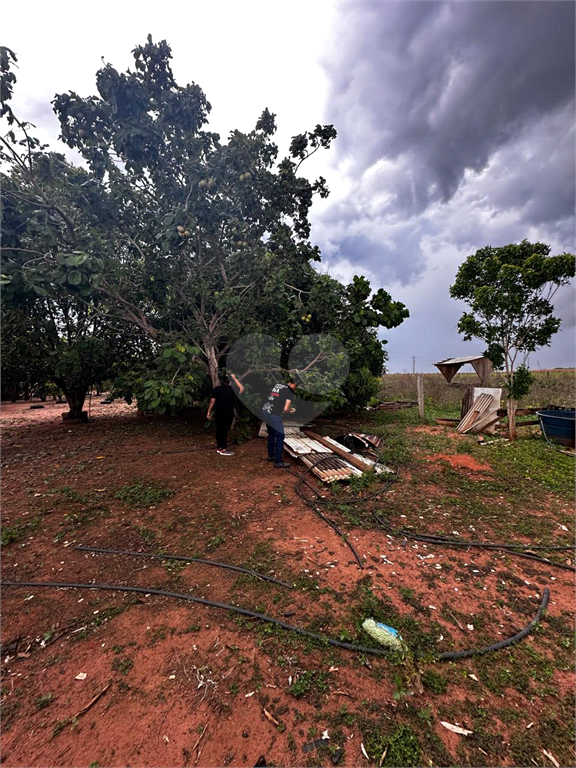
[(420, 392)]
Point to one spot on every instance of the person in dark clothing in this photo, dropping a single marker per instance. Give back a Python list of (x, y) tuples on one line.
[(222, 401), (277, 404)]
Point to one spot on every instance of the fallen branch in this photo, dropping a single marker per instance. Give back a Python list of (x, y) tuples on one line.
[(92, 701), (199, 739)]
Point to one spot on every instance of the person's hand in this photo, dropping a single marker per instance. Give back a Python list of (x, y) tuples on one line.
[(292, 410)]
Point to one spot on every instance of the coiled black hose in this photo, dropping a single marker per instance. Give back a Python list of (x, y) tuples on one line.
[(449, 656)]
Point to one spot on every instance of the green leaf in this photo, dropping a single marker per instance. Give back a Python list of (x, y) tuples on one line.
[(74, 277), (40, 291)]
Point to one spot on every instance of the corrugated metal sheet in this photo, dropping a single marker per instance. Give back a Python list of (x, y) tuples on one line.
[(332, 467), (459, 360), (479, 407), (302, 445), (309, 451)]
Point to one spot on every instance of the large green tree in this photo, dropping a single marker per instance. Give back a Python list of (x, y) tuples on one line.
[(509, 290), (195, 241)]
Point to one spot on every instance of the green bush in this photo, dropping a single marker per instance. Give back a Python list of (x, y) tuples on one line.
[(359, 388), (171, 383)]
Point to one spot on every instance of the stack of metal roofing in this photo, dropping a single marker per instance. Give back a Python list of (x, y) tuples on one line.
[(479, 416), (332, 466)]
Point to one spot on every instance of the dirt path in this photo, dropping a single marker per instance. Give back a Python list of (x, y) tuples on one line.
[(102, 678)]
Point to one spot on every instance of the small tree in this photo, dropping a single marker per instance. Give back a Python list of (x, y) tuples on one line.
[(509, 290)]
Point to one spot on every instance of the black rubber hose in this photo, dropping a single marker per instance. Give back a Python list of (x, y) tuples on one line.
[(321, 515), (446, 542), (453, 655), (202, 601), (187, 560), (450, 656), (433, 538), (485, 544), (425, 538)]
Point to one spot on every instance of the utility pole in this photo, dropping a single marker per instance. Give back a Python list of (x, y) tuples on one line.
[(413, 363)]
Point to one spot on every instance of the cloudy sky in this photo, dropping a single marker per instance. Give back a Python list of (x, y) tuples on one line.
[(455, 125)]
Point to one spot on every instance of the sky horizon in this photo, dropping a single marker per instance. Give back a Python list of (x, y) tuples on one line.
[(455, 127)]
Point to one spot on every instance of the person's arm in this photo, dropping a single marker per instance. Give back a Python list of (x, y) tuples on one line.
[(238, 384), (210, 406)]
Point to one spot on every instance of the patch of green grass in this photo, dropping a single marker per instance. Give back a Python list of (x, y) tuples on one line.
[(10, 534), (122, 665), (434, 681), (143, 494), (262, 558), (214, 543), (510, 715), (531, 458), (43, 701), (400, 747), (158, 634), (409, 597), (498, 671), (342, 717), (9, 711), (362, 482), (312, 682), (60, 725), (147, 535)]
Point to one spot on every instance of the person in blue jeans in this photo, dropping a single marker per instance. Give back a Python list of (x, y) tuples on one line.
[(277, 404)]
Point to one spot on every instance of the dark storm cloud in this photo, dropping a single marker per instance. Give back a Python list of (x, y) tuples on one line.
[(441, 86), (397, 261)]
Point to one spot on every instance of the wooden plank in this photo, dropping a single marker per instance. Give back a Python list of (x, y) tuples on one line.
[(340, 450), (485, 423), (331, 442)]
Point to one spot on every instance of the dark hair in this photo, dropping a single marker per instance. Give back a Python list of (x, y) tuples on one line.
[(223, 378), (292, 381)]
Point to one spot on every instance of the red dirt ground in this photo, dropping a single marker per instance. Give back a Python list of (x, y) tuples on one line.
[(182, 684), (462, 460)]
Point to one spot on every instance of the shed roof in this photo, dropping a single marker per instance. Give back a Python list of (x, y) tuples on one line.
[(481, 364), (459, 360)]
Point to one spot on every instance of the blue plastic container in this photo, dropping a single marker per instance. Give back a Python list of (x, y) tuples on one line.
[(558, 425)]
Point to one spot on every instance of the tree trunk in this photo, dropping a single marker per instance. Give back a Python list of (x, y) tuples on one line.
[(212, 362), (75, 398), (511, 406)]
